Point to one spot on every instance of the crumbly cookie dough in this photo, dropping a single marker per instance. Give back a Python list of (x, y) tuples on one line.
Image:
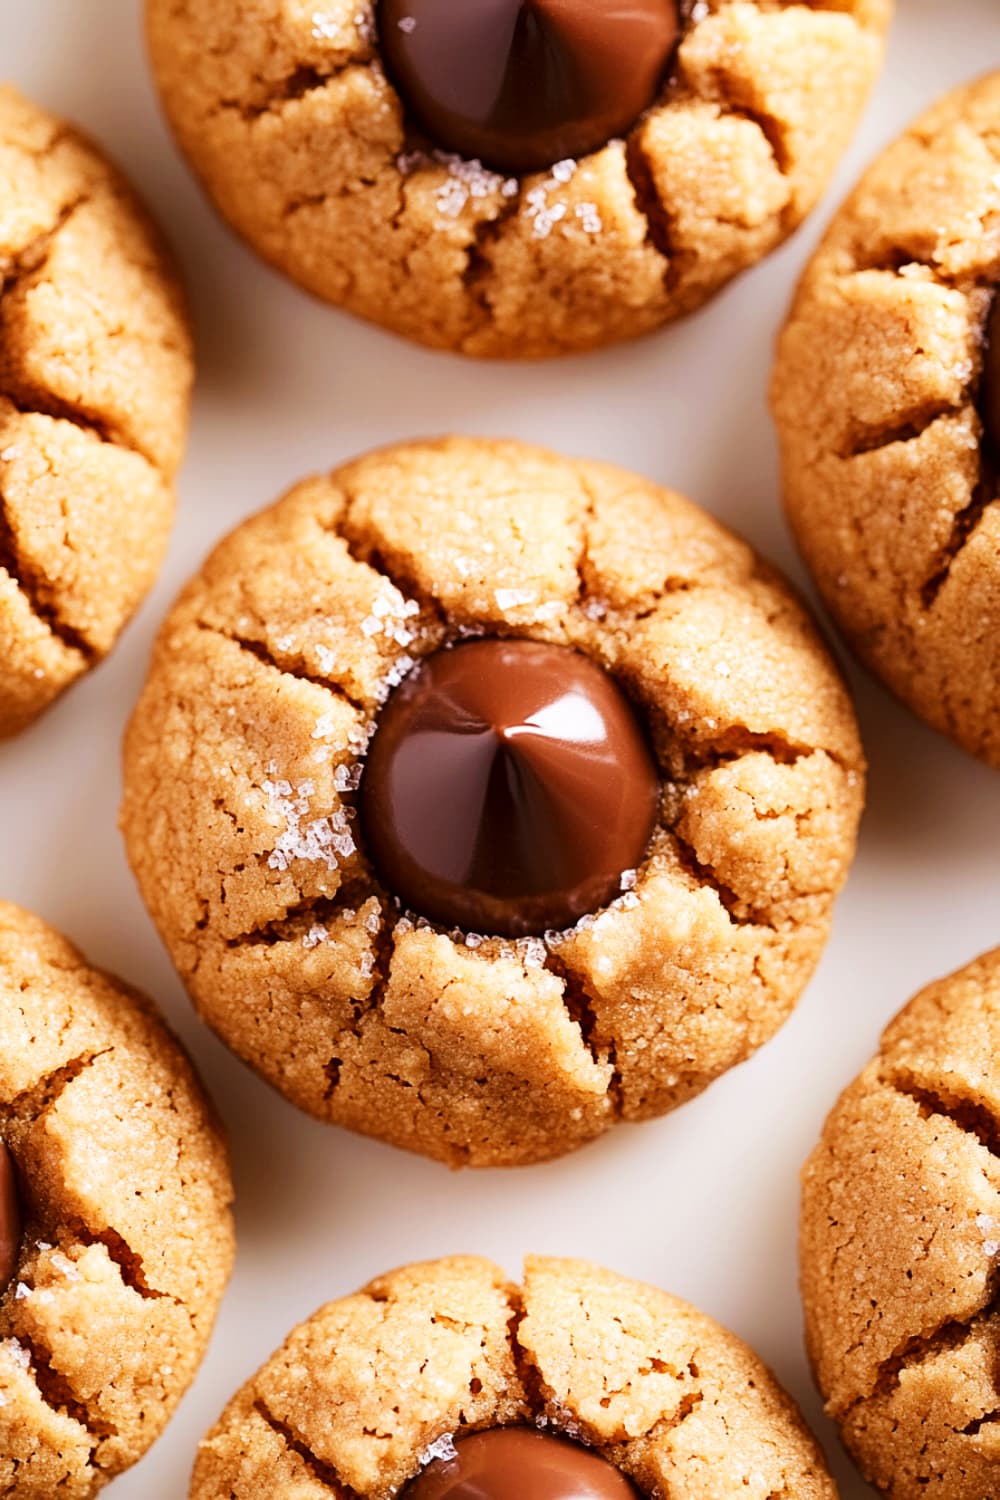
[(128, 1243), (373, 1386), (247, 745), (888, 484), (899, 1245), (95, 376), (286, 114)]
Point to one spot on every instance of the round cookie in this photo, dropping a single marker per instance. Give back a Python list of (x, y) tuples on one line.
[(247, 747), (95, 378), (899, 1244), (288, 114), (887, 399), (396, 1381), (116, 1213)]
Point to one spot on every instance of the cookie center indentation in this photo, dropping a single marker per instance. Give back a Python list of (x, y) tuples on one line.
[(522, 84), (508, 788), (518, 1463)]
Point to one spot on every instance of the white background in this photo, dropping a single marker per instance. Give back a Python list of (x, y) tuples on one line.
[(704, 1202)]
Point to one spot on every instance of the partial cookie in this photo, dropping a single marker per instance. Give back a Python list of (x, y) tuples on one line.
[(116, 1238), (621, 838), (354, 146), (899, 1246), (95, 379), (392, 1386), (887, 399)]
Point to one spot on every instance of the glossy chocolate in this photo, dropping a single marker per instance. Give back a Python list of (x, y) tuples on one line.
[(10, 1219), (518, 1463), (521, 84), (991, 380), (508, 787)]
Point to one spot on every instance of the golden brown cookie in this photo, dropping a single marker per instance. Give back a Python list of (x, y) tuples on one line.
[(286, 112), (122, 1188), (248, 744), (899, 1246), (375, 1386), (95, 377), (879, 395)]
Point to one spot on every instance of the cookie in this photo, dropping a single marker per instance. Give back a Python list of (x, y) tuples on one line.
[(95, 377), (444, 1379), (629, 640), (887, 399), (116, 1239), (518, 179), (899, 1245)]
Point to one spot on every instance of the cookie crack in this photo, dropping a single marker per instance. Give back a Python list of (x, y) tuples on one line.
[(580, 1006), (129, 1261), (29, 1105), (266, 657), (649, 203), (952, 1334), (28, 399), (59, 1395), (298, 84), (37, 591), (966, 522), (372, 557), (321, 1471), (969, 1115), (479, 270), (884, 435), (740, 912)]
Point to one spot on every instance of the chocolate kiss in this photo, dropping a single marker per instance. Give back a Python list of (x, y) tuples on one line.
[(517, 1463), (507, 789), (990, 397), (521, 84), (10, 1219)]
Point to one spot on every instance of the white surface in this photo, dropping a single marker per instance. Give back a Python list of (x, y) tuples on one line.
[(703, 1202)]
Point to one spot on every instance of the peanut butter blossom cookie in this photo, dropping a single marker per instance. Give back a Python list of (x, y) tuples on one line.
[(115, 1233), (485, 798), (444, 1382), (95, 375), (900, 1244), (887, 398), (515, 177)]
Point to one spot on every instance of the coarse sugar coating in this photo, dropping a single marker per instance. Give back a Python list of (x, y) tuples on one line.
[(287, 115), (95, 378), (899, 1242), (247, 746), (375, 1385), (890, 482), (127, 1244)]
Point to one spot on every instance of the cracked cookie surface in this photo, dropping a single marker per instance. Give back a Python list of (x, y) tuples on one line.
[(246, 749), (357, 1395), (124, 1186), (888, 483), (95, 377), (286, 114), (899, 1243)]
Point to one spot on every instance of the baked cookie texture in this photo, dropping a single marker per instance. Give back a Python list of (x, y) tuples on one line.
[(887, 482), (247, 745), (95, 377), (128, 1241), (357, 1398), (899, 1245), (286, 114)]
